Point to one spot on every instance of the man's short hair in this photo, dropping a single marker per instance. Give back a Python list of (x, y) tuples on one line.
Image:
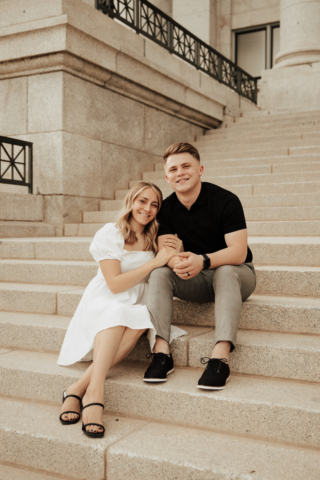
[(176, 148)]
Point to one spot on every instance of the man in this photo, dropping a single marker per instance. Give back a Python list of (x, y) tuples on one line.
[(216, 264)]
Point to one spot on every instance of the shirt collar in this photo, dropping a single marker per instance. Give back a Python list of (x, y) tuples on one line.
[(201, 200)]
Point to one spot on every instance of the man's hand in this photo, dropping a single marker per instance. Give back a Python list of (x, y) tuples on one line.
[(191, 264)]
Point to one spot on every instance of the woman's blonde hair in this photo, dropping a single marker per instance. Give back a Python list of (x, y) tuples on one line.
[(123, 222)]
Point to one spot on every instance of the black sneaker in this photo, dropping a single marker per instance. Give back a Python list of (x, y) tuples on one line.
[(159, 368), (216, 375)]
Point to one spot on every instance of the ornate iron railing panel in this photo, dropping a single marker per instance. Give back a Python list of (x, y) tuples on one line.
[(16, 162), (151, 22)]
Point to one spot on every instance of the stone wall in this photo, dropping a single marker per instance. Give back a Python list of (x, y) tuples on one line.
[(99, 102), (254, 12)]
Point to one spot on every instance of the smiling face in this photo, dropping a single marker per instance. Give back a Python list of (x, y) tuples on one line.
[(183, 172), (145, 206)]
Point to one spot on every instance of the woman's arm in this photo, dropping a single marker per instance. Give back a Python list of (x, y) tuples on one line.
[(120, 282)]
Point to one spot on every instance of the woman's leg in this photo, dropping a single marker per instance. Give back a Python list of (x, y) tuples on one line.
[(107, 343), (128, 342)]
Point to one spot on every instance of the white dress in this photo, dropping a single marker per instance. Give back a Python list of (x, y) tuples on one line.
[(100, 309)]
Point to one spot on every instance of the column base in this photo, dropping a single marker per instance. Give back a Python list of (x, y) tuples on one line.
[(295, 88)]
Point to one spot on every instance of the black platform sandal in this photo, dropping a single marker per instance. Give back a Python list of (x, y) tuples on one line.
[(93, 434), (70, 422)]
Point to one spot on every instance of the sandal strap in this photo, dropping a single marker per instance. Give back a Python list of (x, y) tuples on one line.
[(70, 411), (91, 404), (96, 424), (75, 396)]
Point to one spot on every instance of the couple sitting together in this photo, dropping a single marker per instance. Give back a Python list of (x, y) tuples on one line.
[(193, 246)]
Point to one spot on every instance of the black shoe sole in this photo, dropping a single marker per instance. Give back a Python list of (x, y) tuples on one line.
[(158, 380), (207, 387)]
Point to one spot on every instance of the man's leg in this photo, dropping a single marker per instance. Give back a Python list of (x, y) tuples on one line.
[(164, 284), (232, 284)]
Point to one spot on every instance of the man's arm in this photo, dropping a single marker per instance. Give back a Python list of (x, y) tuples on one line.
[(234, 254)]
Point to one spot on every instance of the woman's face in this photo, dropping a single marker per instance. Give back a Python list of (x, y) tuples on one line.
[(145, 206)]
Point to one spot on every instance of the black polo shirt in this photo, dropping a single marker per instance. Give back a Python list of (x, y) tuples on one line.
[(215, 213)]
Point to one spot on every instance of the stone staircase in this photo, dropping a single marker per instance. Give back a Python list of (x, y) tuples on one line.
[(266, 424), (21, 215)]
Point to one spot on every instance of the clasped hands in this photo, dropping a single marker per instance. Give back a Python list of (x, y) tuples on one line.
[(186, 264)]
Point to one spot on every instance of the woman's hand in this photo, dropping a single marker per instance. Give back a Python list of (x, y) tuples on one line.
[(173, 241), (163, 257)]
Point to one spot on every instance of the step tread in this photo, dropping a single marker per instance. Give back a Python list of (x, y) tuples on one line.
[(257, 390), (34, 287), (260, 403), (60, 450), (14, 473), (246, 337), (178, 450)]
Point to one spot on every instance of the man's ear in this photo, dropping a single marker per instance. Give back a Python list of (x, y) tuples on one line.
[(167, 179), (201, 170)]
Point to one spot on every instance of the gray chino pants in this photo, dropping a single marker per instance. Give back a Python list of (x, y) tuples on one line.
[(228, 286)]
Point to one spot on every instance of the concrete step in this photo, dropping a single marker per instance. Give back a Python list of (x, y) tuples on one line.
[(47, 271), (113, 205), (285, 250), (282, 213), (294, 188), (31, 331), (25, 229), (230, 458), (252, 214), (272, 409), (307, 199), (269, 124), (274, 280), (283, 228), (20, 473), (266, 250), (280, 355), (283, 280), (131, 442), (252, 179), (237, 189), (208, 162), (100, 217), (259, 312), (19, 297), (28, 427), (289, 200), (256, 130), (21, 207), (255, 228), (255, 152), (265, 116), (233, 146), (259, 138), (247, 170)]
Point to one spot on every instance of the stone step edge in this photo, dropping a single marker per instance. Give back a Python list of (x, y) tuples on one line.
[(152, 427), (10, 471), (295, 397)]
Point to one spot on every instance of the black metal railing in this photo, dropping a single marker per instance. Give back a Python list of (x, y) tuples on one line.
[(16, 162), (151, 22)]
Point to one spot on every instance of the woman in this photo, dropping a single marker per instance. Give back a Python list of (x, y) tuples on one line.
[(112, 313)]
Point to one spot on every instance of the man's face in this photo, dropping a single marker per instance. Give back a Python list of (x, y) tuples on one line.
[(183, 172)]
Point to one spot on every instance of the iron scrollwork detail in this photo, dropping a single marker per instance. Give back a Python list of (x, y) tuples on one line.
[(150, 21), (16, 162)]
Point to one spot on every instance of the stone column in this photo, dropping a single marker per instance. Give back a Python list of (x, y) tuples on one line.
[(299, 32), (294, 83), (198, 17)]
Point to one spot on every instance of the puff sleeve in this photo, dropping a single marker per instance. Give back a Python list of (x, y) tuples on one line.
[(107, 244)]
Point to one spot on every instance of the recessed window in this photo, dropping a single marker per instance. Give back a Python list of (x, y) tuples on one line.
[(256, 48)]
